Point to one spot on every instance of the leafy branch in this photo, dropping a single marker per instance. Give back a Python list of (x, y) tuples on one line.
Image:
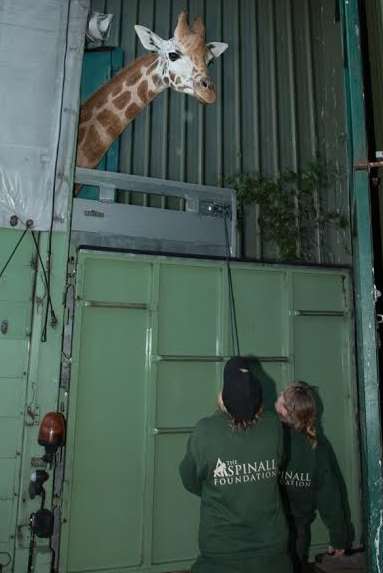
[(289, 207)]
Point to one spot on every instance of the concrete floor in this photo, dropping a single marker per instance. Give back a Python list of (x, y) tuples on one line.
[(349, 564), (354, 563)]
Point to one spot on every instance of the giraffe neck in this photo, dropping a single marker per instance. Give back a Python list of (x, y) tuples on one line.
[(105, 115)]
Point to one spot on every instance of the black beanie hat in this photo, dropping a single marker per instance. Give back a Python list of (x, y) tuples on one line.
[(242, 391)]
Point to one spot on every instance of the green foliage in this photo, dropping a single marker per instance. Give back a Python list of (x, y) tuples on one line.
[(289, 207)]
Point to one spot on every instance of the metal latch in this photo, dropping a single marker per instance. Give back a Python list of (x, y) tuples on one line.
[(367, 165), (376, 294), (215, 209), (107, 193), (4, 325)]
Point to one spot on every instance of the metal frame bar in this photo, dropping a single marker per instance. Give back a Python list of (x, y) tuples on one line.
[(370, 425), (126, 182), (319, 313), (123, 305), (169, 358)]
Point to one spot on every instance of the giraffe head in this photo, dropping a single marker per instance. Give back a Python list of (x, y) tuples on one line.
[(185, 57)]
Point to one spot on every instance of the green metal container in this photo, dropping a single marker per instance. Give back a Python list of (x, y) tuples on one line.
[(150, 340)]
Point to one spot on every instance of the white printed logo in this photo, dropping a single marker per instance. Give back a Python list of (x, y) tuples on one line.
[(231, 472), (295, 479), (220, 469)]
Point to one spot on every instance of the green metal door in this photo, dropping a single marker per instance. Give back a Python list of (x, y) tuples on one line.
[(150, 340)]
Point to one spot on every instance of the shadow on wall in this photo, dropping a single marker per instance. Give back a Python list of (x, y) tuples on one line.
[(269, 388)]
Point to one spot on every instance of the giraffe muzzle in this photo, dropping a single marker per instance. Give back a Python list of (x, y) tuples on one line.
[(205, 90)]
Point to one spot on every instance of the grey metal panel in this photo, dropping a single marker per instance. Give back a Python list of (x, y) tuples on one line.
[(32, 45), (194, 230), (330, 115), (40, 62), (280, 101)]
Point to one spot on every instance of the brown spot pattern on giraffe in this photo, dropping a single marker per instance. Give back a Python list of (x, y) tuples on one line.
[(117, 89), (93, 146), (142, 91), (122, 101), (133, 73), (85, 113), (99, 99), (111, 122), (152, 67), (156, 80), (133, 78), (132, 110)]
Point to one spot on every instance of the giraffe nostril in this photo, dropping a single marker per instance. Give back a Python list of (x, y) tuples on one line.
[(206, 84)]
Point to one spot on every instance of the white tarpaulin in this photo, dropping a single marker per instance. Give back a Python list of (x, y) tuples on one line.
[(40, 58)]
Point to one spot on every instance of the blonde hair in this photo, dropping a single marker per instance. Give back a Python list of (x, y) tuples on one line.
[(299, 402)]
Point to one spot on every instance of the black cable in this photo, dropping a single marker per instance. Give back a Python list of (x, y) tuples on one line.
[(31, 553), (49, 253), (233, 312), (28, 227), (13, 252), (47, 284)]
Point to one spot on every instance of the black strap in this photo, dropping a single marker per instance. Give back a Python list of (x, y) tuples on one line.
[(232, 309), (28, 227)]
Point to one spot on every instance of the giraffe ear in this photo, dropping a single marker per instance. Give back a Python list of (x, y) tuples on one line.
[(214, 50), (149, 39)]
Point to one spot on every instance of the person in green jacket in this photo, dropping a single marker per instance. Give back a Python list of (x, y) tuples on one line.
[(232, 464), (308, 477)]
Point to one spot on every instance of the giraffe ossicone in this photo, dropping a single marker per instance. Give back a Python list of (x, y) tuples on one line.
[(179, 63)]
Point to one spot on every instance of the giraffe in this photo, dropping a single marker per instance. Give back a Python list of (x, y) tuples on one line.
[(179, 63)]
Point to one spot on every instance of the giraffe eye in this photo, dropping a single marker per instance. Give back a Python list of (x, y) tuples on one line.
[(173, 56)]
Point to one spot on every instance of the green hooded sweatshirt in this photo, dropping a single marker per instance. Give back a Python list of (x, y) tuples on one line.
[(235, 472), (310, 482)]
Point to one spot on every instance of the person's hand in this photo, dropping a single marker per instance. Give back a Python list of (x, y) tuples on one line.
[(335, 552)]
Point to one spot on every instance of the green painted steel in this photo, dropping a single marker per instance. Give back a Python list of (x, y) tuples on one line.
[(150, 339), (29, 384), (41, 393), (364, 285), (98, 67), (280, 101), (15, 331), (30, 368)]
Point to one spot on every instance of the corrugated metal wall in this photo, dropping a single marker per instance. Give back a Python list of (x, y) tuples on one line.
[(280, 99), (374, 15)]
